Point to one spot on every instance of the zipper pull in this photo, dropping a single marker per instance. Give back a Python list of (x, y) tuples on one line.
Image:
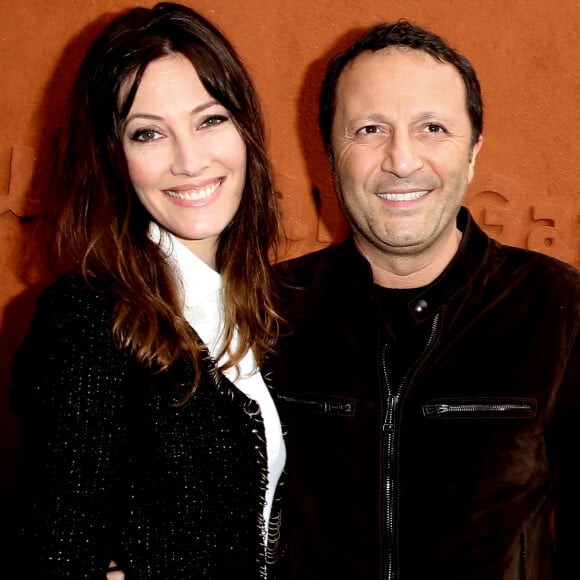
[(389, 423), (437, 409)]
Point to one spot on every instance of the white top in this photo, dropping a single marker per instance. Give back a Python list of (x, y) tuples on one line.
[(203, 309)]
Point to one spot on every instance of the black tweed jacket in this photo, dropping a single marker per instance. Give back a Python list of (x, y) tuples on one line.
[(110, 469)]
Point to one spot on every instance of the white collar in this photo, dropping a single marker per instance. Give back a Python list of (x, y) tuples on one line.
[(200, 286), (196, 277)]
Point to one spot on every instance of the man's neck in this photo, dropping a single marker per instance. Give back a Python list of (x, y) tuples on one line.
[(414, 270)]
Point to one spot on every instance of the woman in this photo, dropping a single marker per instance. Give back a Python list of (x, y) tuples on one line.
[(149, 437)]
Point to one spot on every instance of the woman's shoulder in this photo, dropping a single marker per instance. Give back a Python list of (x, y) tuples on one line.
[(72, 295), (75, 287), (70, 309), (70, 347)]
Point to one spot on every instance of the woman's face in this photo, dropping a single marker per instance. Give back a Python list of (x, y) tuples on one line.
[(186, 158)]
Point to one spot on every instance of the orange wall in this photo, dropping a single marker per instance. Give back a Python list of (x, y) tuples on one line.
[(526, 52)]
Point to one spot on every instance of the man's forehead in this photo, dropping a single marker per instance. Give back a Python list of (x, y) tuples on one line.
[(401, 72)]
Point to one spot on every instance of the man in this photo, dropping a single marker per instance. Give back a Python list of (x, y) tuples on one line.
[(430, 384)]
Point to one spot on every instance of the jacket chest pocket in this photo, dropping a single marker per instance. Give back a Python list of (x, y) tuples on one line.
[(480, 408), (489, 447)]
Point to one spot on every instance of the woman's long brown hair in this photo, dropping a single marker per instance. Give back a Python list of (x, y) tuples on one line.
[(104, 228)]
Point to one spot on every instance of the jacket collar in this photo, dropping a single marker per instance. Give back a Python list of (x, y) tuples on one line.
[(453, 281)]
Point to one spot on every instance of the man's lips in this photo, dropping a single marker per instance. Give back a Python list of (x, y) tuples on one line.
[(404, 195)]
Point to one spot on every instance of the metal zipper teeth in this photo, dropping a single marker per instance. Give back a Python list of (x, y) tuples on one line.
[(389, 428), (325, 406), (475, 408)]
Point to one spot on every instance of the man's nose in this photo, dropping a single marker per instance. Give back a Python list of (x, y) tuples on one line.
[(401, 155)]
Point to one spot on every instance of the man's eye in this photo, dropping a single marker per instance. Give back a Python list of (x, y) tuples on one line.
[(368, 130), (145, 135), (435, 128)]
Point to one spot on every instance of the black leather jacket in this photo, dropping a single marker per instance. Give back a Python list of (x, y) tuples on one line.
[(456, 473)]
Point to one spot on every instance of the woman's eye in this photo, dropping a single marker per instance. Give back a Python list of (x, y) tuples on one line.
[(145, 135), (214, 120)]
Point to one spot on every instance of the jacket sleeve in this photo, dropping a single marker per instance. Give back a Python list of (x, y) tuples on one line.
[(70, 392), (566, 430)]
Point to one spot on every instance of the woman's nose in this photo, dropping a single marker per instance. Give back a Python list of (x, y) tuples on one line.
[(190, 156)]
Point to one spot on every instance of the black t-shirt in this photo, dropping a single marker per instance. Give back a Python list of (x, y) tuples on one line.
[(402, 337)]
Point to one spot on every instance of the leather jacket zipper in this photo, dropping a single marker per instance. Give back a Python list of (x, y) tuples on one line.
[(494, 409), (320, 405), (523, 556), (392, 399)]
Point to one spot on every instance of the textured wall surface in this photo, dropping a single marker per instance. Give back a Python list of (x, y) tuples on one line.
[(526, 52)]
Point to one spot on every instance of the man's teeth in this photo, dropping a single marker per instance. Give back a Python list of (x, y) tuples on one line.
[(412, 195), (195, 194)]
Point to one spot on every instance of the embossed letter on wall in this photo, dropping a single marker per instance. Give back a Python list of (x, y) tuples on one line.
[(546, 226)]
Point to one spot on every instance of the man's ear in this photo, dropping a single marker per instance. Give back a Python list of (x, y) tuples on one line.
[(472, 157)]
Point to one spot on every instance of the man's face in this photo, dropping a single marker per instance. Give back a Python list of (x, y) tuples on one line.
[(401, 137)]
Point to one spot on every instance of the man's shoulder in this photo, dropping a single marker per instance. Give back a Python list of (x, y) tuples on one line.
[(539, 263), (529, 271), (325, 260), (312, 257)]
